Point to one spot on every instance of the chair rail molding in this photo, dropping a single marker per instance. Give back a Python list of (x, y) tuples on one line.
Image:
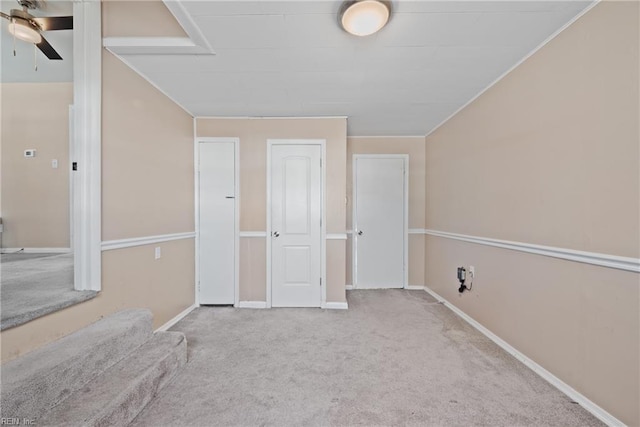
[(147, 240), (253, 234), (594, 258), (336, 236)]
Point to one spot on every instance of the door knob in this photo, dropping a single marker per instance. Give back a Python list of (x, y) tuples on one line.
[(360, 233), (275, 234)]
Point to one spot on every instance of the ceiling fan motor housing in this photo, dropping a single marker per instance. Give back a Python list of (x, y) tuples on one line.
[(25, 17), (29, 4)]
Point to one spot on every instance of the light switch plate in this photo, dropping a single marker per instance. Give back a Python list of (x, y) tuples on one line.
[(158, 252)]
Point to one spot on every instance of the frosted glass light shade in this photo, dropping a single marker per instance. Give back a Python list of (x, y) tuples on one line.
[(365, 17), (24, 32)]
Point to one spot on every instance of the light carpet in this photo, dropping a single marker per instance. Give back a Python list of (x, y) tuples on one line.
[(396, 357), (33, 285)]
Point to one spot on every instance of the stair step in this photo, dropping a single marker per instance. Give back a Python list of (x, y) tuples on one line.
[(118, 395), (41, 379)]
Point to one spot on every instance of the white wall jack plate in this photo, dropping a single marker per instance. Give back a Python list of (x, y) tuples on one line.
[(158, 252), (30, 153), (472, 271)]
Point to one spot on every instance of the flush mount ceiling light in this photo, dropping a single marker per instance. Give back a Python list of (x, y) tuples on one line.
[(23, 31), (364, 17)]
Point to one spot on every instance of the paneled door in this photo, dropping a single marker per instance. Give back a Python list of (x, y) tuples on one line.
[(296, 214), (380, 233), (217, 222)]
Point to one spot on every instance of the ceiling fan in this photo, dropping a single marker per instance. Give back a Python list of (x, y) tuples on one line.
[(27, 27)]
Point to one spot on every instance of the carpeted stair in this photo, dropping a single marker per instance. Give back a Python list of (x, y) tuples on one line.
[(104, 374)]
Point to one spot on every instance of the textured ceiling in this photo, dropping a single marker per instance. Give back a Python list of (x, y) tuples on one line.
[(290, 58)]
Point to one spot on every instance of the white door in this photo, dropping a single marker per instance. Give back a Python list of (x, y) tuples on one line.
[(296, 213), (379, 221), (217, 218)]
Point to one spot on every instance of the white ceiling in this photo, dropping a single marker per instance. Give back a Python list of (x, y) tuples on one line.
[(290, 58), (20, 68)]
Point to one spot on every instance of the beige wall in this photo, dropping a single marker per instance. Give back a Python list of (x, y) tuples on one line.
[(563, 128), (147, 18), (415, 148), (35, 196), (253, 134), (253, 269), (147, 189), (336, 272), (149, 141), (550, 155)]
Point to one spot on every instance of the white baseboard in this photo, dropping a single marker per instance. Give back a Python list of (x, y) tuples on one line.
[(336, 306), (576, 396), (252, 304), (411, 288), (36, 250), (176, 319)]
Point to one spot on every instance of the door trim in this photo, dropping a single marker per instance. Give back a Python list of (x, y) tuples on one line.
[(86, 146), (323, 233), (354, 245), (236, 220)]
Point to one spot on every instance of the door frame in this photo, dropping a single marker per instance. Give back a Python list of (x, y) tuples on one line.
[(86, 151), (323, 195), (236, 220), (71, 184), (354, 245)]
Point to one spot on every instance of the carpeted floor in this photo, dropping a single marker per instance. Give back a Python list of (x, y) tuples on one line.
[(395, 357), (32, 285)]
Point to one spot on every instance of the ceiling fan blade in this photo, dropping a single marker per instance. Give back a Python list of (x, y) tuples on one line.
[(52, 23), (5, 16), (48, 50)]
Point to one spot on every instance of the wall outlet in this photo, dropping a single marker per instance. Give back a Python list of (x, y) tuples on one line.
[(158, 252), (30, 153)]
